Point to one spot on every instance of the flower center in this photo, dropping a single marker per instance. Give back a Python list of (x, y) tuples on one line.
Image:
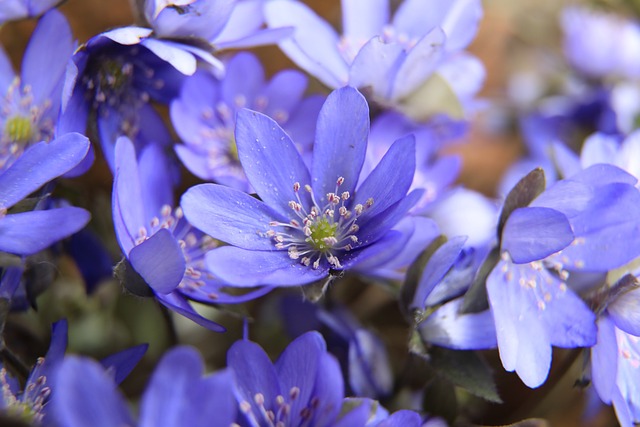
[(19, 129), (320, 233)]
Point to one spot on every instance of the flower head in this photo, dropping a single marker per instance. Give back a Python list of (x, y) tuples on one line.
[(30, 102), (308, 222), (177, 394), (205, 115), (157, 240), (390, 59)]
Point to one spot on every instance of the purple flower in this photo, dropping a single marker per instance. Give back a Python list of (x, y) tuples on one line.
[(600, 44), (18, 9), (205, 116), (26, 233), (110, 85), (158, 242), (177, 394), (394, 60), (29, 404), (578, 224), (303, 388), (226, 24), (615, 359), (308, 222), (30, 104)]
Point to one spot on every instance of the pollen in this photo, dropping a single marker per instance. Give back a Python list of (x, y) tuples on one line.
[(319, 234), (19, 129)]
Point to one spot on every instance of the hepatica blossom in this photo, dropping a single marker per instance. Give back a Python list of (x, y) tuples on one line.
[(303, 388), (30, 102), (578, 224), (205, 115), (615, 359), (159, 243), (177, 395), (308, 222), (388, 58)]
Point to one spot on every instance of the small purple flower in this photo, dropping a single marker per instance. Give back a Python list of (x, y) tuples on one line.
[(18, 9), (26, 233), (394, 60), (615, 359), (158, 242), (205, 116), (578, 224), (30, 102), (177, 394), (110, 86), (308, 222), (303, 388), (600, 44), (29, 404)]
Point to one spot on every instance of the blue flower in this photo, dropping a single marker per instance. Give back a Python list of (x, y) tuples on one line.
[(615, 359), (30, 102), (600, 44), (303, 388), (205, 114), (308, 222), (26, 233), (394, 60), (159, 243), (29, 404), (18, 9), (578, 224), (110, 85), (177, 394)]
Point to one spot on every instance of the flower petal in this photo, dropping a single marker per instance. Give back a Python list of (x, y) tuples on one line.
[(437, 266), (254, 374), (246, 268), (364, 19), (375, 67), (420, 62), (270, 160), (313, 46), (122, 363), (173, 53), (164, 402), (26, 233), (160, 261), (341, 142), (128, 211), (176, 302), (447, 327), (86, 395), (50, 48), (389, 182), (40, 164), (532, 234), (229, 215), (298, 367), (604, 359)]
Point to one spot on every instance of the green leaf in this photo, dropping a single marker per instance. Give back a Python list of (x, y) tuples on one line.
[(467, 370)]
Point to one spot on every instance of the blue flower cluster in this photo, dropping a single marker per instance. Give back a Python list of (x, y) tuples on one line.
[(351, 188)]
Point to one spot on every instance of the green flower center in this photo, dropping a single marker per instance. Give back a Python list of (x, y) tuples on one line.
[(322, 233), (19, 129)]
